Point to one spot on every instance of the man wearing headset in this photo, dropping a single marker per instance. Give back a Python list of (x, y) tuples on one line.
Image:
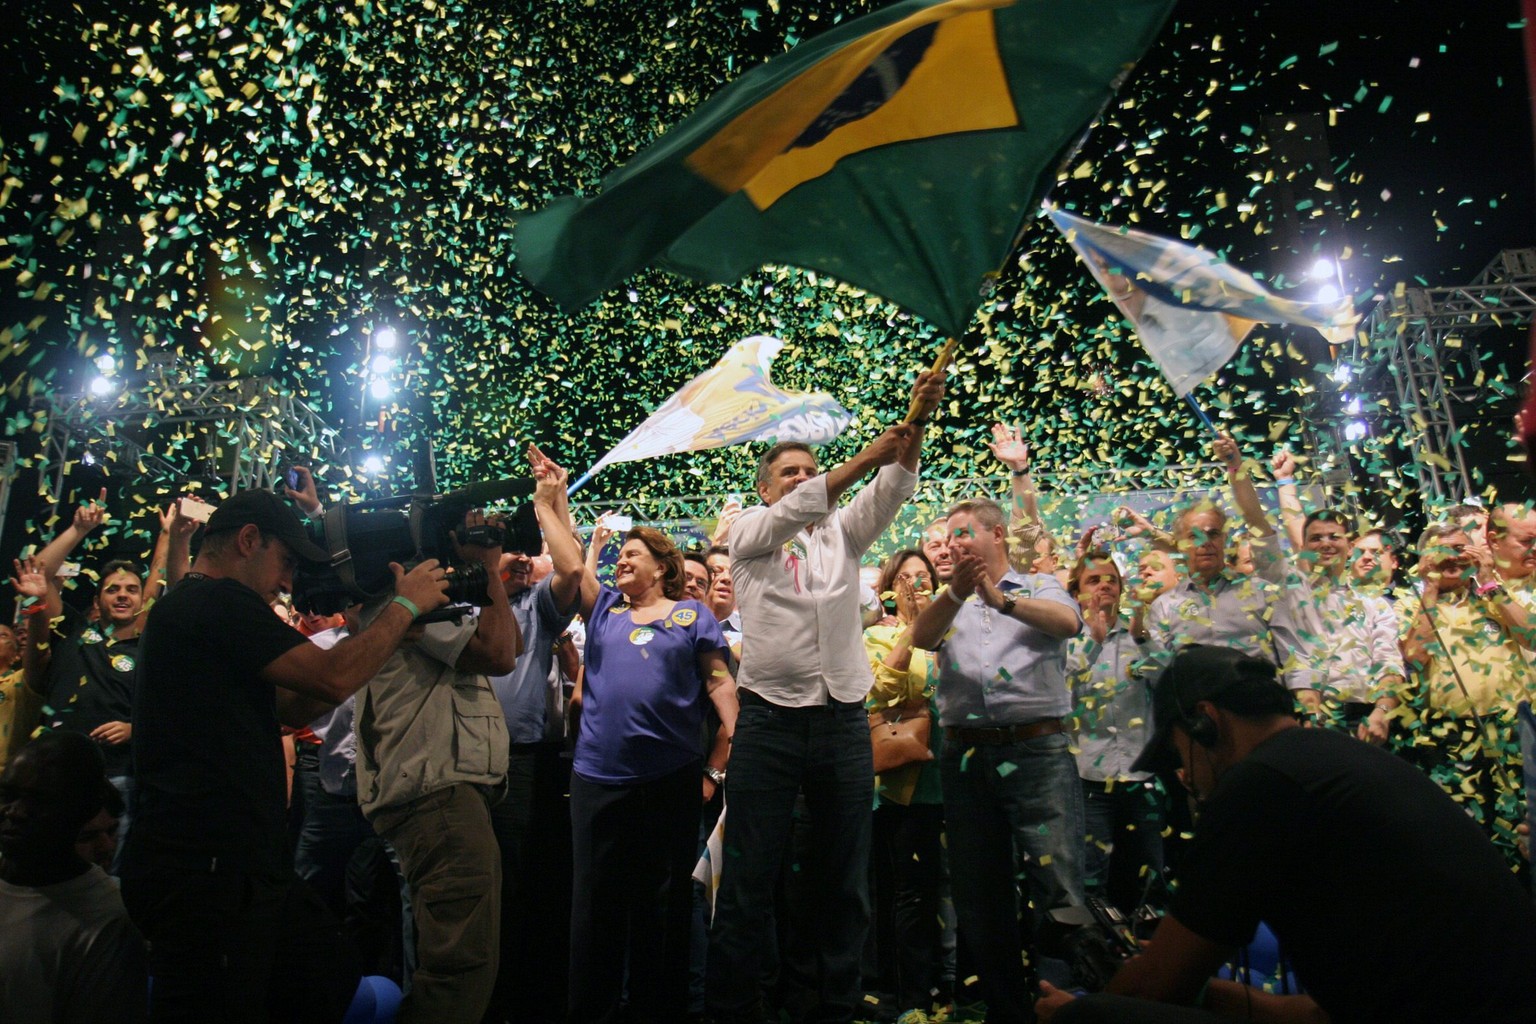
[(1430, 925)]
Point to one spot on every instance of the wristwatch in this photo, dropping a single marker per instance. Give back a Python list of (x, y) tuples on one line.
[(715, 775), (1008, 602)]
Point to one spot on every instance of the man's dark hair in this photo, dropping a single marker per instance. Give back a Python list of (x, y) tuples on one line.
[(697, 557), (1438, 531), (1459, 512), (1388, 539), (765, 464), (1329, 515), (717, 549), (1074, 582), (118, 565), (74, 765)]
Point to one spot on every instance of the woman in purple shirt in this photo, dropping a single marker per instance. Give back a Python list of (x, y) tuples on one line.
[(652, 659)]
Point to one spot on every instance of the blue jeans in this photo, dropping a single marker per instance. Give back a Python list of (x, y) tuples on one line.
[(124, 786), (777, 753), (1010, 803), (1125, 834), (332, 829)]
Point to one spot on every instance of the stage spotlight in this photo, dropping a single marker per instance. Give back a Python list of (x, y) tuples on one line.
[(1341, 373), (1328, 293), (382, 390), (101, 386), (1323, 270), (1352, 405), (105, 363), (383, 364), (1355, 430), (385, 338), (373, 465)]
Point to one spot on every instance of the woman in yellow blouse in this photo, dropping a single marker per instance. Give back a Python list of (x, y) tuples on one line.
[(907, 848)]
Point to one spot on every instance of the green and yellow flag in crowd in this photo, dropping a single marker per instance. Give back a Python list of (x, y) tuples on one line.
[(900, 152)]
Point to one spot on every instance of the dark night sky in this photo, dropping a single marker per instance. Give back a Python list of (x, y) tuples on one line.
[(1426, 201)]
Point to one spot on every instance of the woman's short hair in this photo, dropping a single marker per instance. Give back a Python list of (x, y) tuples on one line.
[(667, 556), (892, 566)]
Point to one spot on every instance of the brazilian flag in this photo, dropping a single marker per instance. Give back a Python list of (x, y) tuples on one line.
[(900, 152)]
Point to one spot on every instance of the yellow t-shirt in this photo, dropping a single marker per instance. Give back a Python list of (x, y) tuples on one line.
[(1490, 665), (19, 708)]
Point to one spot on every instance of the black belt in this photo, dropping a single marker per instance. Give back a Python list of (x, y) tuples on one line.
[(995, 734), (746, 697)]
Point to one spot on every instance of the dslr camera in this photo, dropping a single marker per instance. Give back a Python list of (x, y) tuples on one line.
[(1097, 938), (364, 537)]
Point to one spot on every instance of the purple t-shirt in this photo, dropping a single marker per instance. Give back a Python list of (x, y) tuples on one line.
[(642, 703)]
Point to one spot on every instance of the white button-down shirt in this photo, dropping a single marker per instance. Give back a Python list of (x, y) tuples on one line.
[(802, 639), (1356, 642), (1114, 705)]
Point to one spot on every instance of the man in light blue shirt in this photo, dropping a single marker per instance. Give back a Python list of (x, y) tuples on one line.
[(1010, 781)]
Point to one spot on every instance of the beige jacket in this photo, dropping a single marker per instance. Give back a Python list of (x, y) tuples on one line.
[(423, 726)]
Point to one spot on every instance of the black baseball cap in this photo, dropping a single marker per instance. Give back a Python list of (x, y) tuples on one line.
[(272, 515), (1226, 677)]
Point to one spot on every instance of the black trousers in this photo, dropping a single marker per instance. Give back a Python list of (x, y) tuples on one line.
[(633, 851), (241, 948), (1107, 1009)]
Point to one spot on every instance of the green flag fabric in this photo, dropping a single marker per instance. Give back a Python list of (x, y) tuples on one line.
[(899, 152)]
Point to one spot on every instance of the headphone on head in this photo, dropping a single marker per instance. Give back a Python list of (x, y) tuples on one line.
[(1250, 686), (1201, 727)]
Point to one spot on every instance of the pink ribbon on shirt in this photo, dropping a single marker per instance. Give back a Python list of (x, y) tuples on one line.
[(792, 563)]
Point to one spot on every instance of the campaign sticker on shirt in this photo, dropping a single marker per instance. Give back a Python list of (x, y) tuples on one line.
[(641, 635), (91, 636), (122, 663), (684, 616)]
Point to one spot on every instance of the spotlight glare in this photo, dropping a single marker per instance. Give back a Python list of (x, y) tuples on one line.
[(1322, 270), (383, 364), (385, 338), (381, 390), (373, 465), (1355, 430), (105, 363), (101, 386), (1328, 293)]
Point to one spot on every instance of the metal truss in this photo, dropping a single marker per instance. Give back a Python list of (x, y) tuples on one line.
[(255, 428), (1426, 341)]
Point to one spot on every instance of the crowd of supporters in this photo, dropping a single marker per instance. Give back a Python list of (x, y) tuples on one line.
[(773, 776)]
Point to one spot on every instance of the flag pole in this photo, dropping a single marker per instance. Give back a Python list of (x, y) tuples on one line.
[(580, 480), (940, 364), (1190, 398)]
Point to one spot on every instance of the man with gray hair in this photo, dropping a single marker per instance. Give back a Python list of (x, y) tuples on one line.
[(802, 683), (1011, 793)]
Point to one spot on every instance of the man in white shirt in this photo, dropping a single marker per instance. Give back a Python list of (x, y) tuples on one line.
[(802, 683), (1359, 669)]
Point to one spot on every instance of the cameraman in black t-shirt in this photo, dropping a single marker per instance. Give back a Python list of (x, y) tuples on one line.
[(233, 934), (1430, 927)]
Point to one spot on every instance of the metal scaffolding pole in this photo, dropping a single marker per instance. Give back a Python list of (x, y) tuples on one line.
[(252, 422), (1426, 341)]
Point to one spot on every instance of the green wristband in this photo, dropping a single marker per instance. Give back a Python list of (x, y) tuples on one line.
[(408, 606)]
